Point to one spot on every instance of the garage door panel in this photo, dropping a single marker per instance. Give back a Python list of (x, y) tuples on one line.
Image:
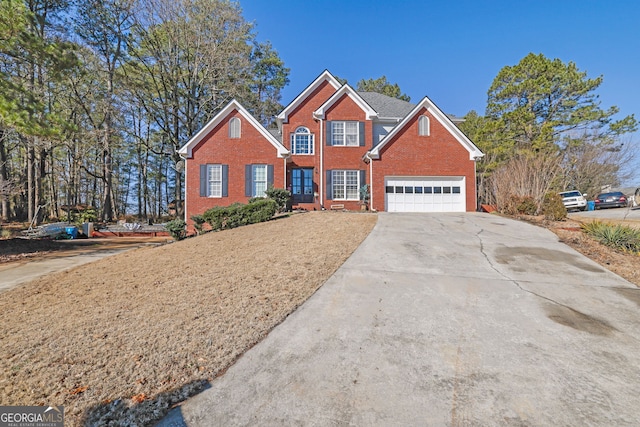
[(425, 194)]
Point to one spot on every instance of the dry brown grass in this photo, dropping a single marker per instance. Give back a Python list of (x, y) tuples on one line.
[(120, 340)]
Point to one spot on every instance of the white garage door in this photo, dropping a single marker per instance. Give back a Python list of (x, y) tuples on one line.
[(425, 194)]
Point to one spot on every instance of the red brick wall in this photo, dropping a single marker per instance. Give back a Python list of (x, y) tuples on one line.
[(303, 116), (218, 148), (439, 154), (350, 158)]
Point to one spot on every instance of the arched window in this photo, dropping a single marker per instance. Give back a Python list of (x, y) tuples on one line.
[(234, 128), (302, 141), (423, 126)]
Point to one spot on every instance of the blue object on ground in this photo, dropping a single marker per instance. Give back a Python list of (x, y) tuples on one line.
[(591, 205), (72, 231)]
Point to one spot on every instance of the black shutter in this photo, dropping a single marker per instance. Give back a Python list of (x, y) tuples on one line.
[(329, 186), (248, 180), (269, 176), (225, 180), (363, 177), (203, 180), (329, 133), (361, 133)]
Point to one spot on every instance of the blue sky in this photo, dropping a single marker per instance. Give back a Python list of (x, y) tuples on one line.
[(452, 50)]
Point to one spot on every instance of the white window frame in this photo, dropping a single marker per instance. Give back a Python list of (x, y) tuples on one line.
[(214, 181), (424, 126), (302, 132), (255, 182), (340, 186), (234, 128), (341, 136)]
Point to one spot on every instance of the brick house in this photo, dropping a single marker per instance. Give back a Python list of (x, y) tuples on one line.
[(331, 141)]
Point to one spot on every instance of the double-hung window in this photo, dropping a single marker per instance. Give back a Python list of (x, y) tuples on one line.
[(258, 178), (345, 184), (345, 133), (302, 141), (214, 180)]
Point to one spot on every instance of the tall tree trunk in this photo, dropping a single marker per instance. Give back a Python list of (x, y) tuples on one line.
[(107, 208), (31, 154), (4, 180)]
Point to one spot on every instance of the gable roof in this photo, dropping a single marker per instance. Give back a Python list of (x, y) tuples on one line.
[(325, 76), (474, 152), (187, 148), (345, 90), (386, 106)]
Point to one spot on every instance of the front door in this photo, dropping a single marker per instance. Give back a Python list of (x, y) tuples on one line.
[(302, 185)]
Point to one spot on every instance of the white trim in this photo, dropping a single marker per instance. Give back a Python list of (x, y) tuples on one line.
[(370, 113), (187, 149), (283, 117), (474, 152)]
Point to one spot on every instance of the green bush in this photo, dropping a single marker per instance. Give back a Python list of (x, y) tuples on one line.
[(177, 228), (198, 222), (520, 205), (620, 237), (88, 215), (281, 196), (552, 207), (236, 215)]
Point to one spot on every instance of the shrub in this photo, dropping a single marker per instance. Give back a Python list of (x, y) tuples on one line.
[(620, 237), (281, 196), (520, 205), (259, 211), (88, 215), (236, 215), (198, 222), (553, 208), (177, 228)]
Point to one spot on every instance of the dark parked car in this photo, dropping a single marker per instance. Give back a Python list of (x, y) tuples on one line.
[(614, 199)]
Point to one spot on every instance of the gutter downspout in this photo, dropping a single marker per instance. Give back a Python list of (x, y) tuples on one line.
[(321, 144), (366, 156), (185, 186), (285, 159)]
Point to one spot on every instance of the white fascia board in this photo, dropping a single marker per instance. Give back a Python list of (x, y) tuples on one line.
[(187, 149), (370, 113), (283, 117), (474, 152)]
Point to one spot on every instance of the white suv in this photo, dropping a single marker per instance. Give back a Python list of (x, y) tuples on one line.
[(574, 200)]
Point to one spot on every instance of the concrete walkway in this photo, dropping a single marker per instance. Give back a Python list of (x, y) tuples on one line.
[(444, 320)]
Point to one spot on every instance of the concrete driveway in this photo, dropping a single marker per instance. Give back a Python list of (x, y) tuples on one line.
[(444, 320), (18, 272)]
